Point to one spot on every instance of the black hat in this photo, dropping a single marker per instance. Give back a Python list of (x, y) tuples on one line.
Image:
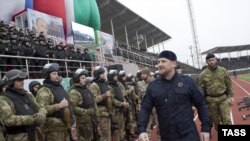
[(168, 55), (209, 56)]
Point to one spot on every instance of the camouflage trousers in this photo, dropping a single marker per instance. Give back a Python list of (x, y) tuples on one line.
[(219, 111), (56, 136), (1, 133), (105, 128), (85, 131), (152, 119), (2, 136), (118, 126)]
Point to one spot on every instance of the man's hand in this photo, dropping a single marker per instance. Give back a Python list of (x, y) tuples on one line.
[(74, 134), (125, 104), (231, 101), (205, 136), (143, 137), (40, 118), (64, 103), (107, 94), (91, 111)]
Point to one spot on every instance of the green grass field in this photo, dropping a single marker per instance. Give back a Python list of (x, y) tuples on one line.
[(245, 77)]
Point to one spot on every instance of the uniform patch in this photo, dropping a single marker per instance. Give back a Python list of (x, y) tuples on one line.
[(26, 107), (180, 84)]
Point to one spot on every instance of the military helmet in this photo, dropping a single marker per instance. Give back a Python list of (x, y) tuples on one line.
[(32, 84), (78, 74), (121, 74), (50, 67), (14, 74), (98, 71), (130, 77), (112, 74)]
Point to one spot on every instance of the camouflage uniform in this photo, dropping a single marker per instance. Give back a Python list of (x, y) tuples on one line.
[(85, 117), (1, 133), (54, 128), (11, 120), (117, 117), (104, 115), (217, 88), (130, 122), (2, 104)]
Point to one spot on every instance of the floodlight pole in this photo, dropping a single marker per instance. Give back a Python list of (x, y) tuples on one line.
[(194, 32), (192, 55)]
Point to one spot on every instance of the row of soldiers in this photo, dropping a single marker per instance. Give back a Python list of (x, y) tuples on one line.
[(102, 110)]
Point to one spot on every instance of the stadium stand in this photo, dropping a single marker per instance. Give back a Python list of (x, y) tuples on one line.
[(240, 62)]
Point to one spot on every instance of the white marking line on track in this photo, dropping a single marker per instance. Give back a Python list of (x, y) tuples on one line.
[(231, 115), (241, 88)]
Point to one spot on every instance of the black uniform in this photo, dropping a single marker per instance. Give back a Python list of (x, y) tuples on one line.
[(173, 100)]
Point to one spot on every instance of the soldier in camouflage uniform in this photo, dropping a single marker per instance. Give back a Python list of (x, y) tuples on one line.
[(2, 91), (216, 84), (102, 96), (33, 87), (60, 124), (130, 122), (146, 79), (20, 113), (84, 106), (117, 122), (130, 81)]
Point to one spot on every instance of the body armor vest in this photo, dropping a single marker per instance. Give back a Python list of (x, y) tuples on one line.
[(88, 99), (23, 106)]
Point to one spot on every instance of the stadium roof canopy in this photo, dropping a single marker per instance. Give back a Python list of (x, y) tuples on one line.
[(122, 16), (227, 49)]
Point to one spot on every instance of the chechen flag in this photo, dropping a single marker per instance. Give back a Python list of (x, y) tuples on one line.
[(10, 8), (80, 11)]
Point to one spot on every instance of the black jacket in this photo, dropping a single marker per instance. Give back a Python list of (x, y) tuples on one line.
[(173, 100)]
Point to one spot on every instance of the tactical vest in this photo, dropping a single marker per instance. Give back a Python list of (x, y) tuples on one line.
[(88, 99), (23, 106), (59, 94), (103, 88), (118, 93)]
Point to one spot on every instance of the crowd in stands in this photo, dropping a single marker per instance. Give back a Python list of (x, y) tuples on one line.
[(235, 63), (19, 42)]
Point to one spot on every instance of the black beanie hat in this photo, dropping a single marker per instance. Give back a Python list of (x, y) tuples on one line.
[(209, 56), (168, 55)]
